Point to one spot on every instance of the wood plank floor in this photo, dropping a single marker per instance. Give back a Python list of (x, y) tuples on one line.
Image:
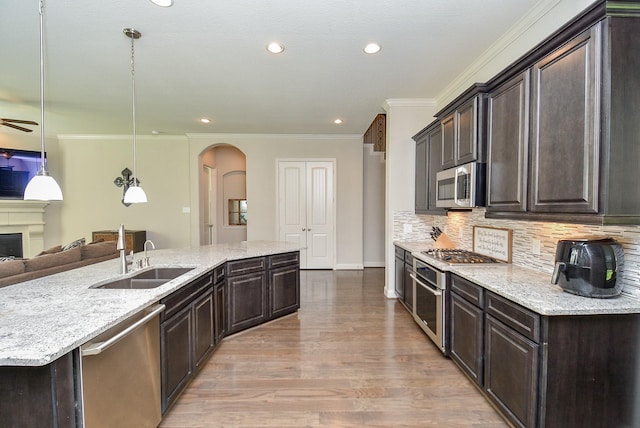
[(349, 358)]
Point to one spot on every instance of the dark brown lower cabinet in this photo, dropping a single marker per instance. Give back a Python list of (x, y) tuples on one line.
[(176, 339), (204, 327), (220, 313), (562, 371), (399, 273), (284, 291), (247, 301), (261, 289), (42, 396), (511, 372), (186, 336), (467, 324)]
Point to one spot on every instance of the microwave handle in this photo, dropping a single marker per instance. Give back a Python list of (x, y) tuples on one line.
[(459, 171)]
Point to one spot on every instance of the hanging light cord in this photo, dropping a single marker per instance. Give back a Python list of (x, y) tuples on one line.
[(43, 170), (133, 80)]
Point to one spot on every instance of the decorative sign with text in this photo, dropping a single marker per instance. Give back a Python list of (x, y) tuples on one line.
[(492, 242)]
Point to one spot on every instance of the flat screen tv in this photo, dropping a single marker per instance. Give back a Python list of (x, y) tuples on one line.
[(17, 167)]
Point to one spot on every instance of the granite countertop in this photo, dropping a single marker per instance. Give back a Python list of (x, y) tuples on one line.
[(43, 319), (527, 287)]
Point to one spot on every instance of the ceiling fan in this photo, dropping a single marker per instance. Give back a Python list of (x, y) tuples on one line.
[(11, 124)]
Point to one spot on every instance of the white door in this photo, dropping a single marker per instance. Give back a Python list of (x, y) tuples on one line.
[(306, 210)]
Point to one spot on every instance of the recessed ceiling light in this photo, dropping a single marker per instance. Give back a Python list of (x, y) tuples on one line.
[(275, 47), (337, 121), (372, 48), (205, 120), (162, 3)]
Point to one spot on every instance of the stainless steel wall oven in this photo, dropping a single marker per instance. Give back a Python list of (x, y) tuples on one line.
[(429, 308)]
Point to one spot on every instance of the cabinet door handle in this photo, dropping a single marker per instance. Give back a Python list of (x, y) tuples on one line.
[(304, 229)]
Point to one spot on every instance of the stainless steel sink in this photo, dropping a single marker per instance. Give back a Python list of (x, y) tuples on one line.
[(149, 278), (167, 273)]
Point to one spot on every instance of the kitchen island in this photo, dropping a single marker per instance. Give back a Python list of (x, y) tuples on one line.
[(44, 322)]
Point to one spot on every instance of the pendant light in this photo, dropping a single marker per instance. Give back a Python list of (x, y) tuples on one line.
[(135, 194), (42, 187)]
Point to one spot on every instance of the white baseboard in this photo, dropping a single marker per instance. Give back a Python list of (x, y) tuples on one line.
[(390, 294), (345, 266), (374, 264)]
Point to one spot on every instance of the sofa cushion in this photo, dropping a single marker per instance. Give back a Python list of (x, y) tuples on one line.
[(77, 243), (50, 260), (98, 249), (11, 267), (51, 250)]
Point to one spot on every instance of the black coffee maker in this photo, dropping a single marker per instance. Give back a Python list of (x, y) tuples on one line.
[(590, 267)]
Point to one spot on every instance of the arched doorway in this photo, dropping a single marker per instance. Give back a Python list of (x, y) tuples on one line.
[(223, 195)]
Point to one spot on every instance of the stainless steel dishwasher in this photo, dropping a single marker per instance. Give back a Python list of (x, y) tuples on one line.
[(121, 374)]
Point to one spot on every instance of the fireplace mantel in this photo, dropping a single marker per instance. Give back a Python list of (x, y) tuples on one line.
[(27, 218)]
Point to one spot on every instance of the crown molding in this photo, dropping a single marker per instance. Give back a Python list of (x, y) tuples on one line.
[(409, 102), (280, 137), (467, 77)]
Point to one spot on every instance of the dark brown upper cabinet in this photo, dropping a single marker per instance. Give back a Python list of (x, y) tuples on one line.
[(428, 163), (563, 124), (508, 145), (564, 127), (462, 127)]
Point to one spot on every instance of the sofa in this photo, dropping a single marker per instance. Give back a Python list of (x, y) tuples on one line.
[(55, 260)]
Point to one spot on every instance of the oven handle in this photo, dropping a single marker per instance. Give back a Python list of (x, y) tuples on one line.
[(425, 286)]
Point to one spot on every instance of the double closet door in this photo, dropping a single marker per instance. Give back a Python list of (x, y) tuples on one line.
[(306, 210)]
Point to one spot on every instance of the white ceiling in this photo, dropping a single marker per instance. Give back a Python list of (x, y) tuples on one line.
[(207, 58)]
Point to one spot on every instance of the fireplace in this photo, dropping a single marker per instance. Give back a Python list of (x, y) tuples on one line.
[(25, 218), (11, 244)]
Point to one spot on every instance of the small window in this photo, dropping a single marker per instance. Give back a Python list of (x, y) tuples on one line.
[(237, 212)]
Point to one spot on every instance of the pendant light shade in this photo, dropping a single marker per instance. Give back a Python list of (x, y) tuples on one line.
[(42, 187), (135, 194)]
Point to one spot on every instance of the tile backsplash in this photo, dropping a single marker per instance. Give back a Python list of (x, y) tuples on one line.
[(526, 235)]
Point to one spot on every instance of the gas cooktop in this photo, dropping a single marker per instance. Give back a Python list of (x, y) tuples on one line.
[(457, 256)]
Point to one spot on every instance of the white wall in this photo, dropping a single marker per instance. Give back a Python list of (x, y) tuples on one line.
[(373, 202), (544, 19), (261, 152), (93, 202), (404, 119)]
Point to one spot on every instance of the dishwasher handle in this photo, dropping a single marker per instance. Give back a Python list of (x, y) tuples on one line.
[(97, 348)]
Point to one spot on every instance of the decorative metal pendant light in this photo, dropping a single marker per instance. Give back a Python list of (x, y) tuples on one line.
[(135, 194), (42, 187)]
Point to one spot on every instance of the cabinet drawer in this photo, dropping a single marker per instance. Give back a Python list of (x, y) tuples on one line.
[(219, 274), (515, 316), (184, 296), (241, 267), (285, 259), (468, 290)]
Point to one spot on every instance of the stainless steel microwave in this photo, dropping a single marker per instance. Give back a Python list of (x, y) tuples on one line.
[(462, 186)]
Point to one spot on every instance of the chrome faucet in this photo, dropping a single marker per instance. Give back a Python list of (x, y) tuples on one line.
[(145, 262), (120, 246)]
